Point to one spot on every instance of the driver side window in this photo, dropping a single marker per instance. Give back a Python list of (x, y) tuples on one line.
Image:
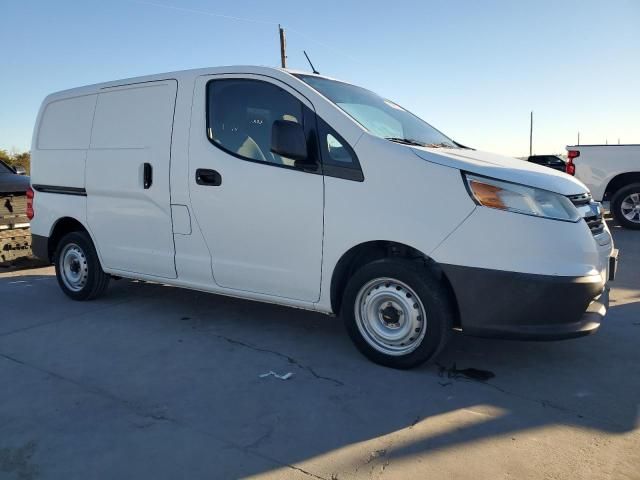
[(240, 115)]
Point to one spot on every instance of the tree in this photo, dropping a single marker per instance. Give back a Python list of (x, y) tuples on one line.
[(5, 157), (24, 160), (15, 159)]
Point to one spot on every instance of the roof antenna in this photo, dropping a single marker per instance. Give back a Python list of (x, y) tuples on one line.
[(313, 69)]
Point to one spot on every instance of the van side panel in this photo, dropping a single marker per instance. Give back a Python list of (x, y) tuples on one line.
[(61, 142), (193, 260), (58, 154), (66, 124), (132, 224)]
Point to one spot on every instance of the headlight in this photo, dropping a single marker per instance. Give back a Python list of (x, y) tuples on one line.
[(521, 199)]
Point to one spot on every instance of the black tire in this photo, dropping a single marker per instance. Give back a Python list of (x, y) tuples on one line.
[(435, 298), (616, 206), (94, 281)]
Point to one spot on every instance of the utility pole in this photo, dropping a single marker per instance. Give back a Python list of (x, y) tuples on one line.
[(531, 134), (283, 47)]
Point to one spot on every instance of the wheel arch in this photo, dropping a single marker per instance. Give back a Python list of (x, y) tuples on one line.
[(619, 181), (60, 228), (367, 252)]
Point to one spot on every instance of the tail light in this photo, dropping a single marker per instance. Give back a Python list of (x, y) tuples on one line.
[(30, 195), (571, 167)]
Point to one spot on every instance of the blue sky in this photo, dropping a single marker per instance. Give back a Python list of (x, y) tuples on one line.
[(472, 68)]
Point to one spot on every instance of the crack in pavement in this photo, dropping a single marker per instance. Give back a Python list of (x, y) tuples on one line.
[(291, 360), (148, 413), (261, 438)]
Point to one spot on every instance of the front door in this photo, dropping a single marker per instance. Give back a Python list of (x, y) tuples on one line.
[(260, 214)]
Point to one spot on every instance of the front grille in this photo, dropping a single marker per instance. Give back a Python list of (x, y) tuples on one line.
[(590, 210), (580, 199), (595, 224)]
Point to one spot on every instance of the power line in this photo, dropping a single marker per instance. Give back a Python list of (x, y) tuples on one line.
[(244, 19), (204, 12)]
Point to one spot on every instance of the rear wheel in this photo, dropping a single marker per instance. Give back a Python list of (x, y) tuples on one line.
[(625, 206), (397, 312), (78, 268)]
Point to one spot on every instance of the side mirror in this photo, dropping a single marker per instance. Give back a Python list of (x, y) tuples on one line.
[(288, 140), (20, 170)]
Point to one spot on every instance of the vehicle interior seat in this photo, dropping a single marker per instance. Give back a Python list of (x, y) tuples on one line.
[(231, 132), (284, 160), (258, 123), (250, 149)]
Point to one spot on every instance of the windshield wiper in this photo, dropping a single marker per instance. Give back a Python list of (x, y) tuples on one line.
[(439, 145), (410, 141), (406, 141)]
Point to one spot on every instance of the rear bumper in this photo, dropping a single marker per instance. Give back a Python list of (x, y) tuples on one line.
[(40, 247), (500, 304)]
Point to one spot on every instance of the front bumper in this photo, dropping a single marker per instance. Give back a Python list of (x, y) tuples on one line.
[(501, 304)]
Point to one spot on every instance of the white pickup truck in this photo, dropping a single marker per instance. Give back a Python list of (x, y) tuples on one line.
[(612, 173)]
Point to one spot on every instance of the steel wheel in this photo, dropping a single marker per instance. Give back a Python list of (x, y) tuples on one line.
[(73, 267), (390, 316), (630, 207)]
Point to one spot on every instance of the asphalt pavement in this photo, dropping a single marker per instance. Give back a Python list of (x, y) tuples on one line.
[(152, 381)]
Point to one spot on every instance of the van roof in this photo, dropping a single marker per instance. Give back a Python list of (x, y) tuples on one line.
[(181, 75)]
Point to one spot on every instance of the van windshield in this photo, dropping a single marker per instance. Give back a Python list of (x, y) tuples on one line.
[(379, 116)]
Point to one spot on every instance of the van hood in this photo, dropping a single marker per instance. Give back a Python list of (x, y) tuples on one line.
[(503, 168)]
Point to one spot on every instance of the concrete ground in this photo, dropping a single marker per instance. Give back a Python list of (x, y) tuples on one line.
[(157, 382)]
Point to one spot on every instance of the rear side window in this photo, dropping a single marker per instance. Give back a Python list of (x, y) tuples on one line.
[(546, 160), (5, 168), (556, 161), (66, 124), (240, 115)]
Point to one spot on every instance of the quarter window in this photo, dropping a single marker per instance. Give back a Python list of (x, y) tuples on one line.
[(337, 151), (241, 113), (338, 158)]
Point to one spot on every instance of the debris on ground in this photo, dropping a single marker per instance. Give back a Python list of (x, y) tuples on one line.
[(271, 373)]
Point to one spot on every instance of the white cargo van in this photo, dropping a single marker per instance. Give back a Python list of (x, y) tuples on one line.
[(301, 190)]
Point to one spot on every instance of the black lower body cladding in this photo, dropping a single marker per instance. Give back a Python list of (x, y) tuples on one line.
[(500, 304), (40, 247)]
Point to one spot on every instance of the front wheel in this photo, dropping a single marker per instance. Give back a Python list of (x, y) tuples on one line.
[(397, 312), (625, 206), (78, 268)]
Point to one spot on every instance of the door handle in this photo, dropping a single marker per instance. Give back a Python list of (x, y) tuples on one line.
[(147, 178), (205, 176)]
